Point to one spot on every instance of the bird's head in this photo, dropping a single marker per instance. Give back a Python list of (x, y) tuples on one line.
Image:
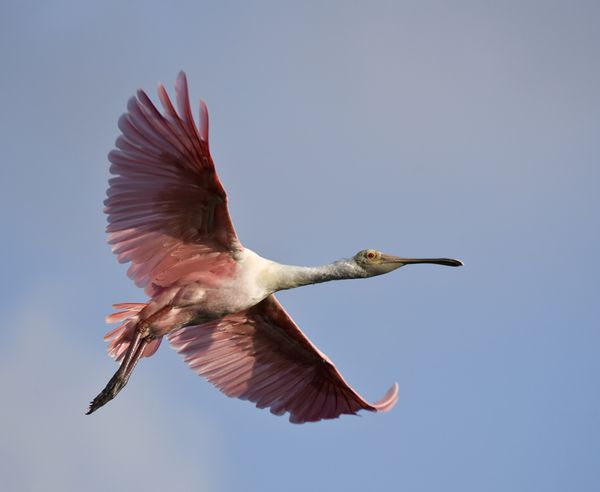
[(374, 262)]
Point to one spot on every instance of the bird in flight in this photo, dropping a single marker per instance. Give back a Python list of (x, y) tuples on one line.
[(213, 298)]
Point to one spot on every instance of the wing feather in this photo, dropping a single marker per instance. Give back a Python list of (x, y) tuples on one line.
[(166, 207), (262, 356)]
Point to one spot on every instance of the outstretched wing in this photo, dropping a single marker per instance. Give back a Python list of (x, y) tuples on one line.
[(261, 355), (167, 210)]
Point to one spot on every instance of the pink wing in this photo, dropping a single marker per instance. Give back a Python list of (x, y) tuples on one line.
[(167, 210), (262, 356)]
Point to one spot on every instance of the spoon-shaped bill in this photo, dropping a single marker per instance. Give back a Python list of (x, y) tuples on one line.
[(408, 261)]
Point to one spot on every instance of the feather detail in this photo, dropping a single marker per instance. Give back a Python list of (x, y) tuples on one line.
[(262, 356), (165, 200)]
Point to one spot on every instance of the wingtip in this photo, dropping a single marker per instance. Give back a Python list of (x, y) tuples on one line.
[(181, 84), (181, 75), (203, 122), (389, 400)]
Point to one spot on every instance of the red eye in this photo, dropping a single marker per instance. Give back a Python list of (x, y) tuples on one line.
[(370, 255)]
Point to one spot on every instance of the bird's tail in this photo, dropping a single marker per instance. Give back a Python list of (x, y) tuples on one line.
[(120, 338)]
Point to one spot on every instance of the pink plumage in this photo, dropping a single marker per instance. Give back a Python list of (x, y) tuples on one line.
[(262, 356), (213, 298)]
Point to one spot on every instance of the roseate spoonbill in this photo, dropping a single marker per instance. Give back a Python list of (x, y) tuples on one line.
[(209, 295)]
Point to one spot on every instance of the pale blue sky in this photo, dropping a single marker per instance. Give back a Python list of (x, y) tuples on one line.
[(465, 129)]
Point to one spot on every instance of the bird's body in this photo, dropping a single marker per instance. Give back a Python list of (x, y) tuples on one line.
[(251, 279), (211, 296), (215, 295)]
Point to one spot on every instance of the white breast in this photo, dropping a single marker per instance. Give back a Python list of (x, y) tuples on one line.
[(247, 287)]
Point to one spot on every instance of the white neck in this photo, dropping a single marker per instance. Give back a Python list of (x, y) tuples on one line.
[(288, 276)]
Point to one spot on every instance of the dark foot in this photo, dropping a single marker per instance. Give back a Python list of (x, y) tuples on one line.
[(116, 384), (119, 380)]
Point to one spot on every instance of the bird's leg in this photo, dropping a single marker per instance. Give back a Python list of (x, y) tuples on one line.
[(120, 378), (133, 354)]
